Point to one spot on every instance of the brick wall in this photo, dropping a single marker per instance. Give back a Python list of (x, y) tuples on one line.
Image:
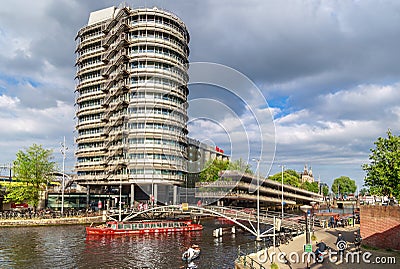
[(380, 226)]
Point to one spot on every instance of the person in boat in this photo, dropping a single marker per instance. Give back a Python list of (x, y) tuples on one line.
[(190, 253)]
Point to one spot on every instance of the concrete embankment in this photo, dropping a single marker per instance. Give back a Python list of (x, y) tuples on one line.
[(53, 221)]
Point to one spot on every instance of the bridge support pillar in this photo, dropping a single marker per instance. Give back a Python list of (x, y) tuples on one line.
[(132, 195), (175, 195), (155, 193), (87, 196)]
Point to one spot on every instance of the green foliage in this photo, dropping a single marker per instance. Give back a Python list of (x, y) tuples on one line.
[(383, 171), (212, 169), (22, 193), (313, 187), (363, 191), (33, 168), (240, 165), (290, 177), (215, 166), (325, 190), (345, 185)]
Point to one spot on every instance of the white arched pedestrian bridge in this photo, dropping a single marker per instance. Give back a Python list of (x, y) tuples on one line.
[(244, 218)]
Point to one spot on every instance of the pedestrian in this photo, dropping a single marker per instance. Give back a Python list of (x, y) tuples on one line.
[(332, 221), (357, 241), (341, 244), (336, 220)]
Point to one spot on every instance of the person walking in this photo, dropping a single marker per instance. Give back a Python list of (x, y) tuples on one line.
[(341, 244), (332, 221), (357, 241)]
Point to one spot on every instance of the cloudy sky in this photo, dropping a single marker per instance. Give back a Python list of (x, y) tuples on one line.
[(329, 72)]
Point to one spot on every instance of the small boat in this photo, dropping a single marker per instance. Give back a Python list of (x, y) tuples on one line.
[(143, 227), (191, 253)]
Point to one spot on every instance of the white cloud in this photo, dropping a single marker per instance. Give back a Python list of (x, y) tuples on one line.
[(7, 102), (329, 70)]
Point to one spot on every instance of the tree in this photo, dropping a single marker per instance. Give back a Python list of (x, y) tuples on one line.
[(343, 185), (33, 170), (290, 177), (364, 191), (310, 186), (325, 190), (212, 169), (240, 165), (383, 171)]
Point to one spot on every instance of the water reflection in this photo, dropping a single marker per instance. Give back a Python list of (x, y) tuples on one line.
[(68, 247)]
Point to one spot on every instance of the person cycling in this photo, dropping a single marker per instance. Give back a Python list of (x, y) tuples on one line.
[(321, 247), (320, 251)]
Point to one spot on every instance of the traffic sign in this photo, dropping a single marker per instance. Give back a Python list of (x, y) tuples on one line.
[(308, 248)]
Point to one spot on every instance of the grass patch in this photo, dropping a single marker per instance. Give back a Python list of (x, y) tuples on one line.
[(369, 247), (382, 250)]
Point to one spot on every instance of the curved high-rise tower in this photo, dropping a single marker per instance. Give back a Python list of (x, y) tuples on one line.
[(132, 102)]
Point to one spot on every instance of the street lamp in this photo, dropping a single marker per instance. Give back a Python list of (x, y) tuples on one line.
[(282, 191), (120, 201), (306, 210), (354, 216), (258, 199), (63, 152), (312, 215)]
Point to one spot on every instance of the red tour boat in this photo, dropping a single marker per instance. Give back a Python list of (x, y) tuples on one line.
[(143, 227)]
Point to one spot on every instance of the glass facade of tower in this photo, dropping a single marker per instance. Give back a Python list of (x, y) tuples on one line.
[(132, 99)]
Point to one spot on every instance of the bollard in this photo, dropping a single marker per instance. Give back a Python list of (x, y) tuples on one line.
[(220, 231), (104, 217)]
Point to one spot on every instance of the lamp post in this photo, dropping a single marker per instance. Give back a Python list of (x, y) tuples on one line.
[(63, 152), (282, 191), (306, 210), (258, 238), (312, 215), (120, 202), (152, 192)]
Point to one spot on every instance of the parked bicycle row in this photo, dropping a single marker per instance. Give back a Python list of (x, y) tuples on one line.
[(44, 214)]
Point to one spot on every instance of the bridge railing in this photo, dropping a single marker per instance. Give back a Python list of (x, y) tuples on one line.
[(265, 217), (247, 261)]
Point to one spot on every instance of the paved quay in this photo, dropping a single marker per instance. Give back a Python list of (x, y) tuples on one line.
[(368, 258)]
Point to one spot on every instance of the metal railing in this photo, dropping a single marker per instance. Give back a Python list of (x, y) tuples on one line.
[(247, 261)]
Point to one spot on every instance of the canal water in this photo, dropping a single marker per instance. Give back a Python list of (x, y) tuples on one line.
[(68, 247)]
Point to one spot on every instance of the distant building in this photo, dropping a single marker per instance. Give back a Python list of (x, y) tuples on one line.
[(307, 175), (200, 153)]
